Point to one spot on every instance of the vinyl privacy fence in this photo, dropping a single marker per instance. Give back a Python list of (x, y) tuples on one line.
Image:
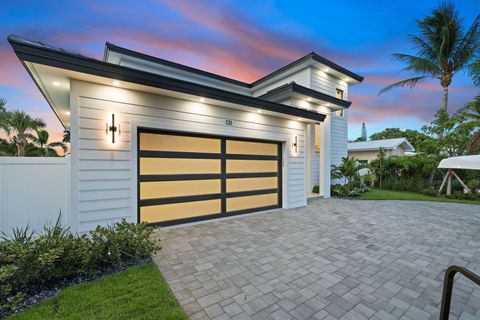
[(33, 191)]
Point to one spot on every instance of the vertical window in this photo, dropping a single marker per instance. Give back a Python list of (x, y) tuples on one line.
[(317, 138), (339, 94)]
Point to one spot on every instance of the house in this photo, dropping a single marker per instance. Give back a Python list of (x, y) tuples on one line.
[(156, 141), (367, 151)]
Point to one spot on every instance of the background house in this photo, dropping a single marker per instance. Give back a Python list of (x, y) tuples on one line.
[(367, 151), (153, 140)]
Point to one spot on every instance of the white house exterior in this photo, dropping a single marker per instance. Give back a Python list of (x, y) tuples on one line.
[(189, 145), (366, 151)]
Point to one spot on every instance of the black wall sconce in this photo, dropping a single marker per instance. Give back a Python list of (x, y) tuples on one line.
[(112, 128), (295, 145)]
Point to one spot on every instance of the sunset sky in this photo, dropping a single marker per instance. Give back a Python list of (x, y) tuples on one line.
[(243, 40)]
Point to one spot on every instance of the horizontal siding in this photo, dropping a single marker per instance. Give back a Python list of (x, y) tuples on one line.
[(105, 174), (301, 77), (327, 83), (339, 138)]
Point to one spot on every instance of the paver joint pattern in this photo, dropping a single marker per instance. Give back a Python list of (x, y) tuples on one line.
[(334, 259)]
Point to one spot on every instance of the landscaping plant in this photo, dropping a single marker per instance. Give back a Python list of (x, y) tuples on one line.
[(30, 263), (352, 185)]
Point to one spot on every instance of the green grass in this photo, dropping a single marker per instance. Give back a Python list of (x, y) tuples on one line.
[(376, 194), (137, 293)]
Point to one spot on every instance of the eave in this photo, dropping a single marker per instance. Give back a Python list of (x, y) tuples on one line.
[(33, 52)]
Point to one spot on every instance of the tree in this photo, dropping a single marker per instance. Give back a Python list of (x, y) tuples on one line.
[(21, 125), (472, 113), (443, 49), (66, 136), (474, 70), (363, 136), (3, 114), (348, 170), (381, 160), (48, 149)]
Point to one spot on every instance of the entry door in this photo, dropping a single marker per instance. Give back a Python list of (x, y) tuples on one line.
[(190, 177)]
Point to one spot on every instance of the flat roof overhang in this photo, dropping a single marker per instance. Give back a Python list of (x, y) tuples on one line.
[(295, 90), (35, 53)]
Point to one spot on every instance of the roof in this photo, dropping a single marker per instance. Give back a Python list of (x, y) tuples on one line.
[(464, 162), (293, 87), (37, 52), (311, 56), (387, 144)]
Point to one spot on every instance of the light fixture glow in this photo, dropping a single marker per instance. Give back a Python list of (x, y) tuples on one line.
[(116, 83), (202, 99), (309, 99), (56, 84), (67, 113), (259, 111), (299, 118)]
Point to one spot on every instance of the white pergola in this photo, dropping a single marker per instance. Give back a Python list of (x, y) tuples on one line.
[(459, 163)]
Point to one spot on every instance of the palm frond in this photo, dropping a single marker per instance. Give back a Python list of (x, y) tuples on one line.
[(474, 71), (467, 46), (418, 64), (424, 49), (409, 83)]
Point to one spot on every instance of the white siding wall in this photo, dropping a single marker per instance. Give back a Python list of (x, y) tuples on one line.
[(104, 176), (33, 191), (301, 77), (327, 83), (339, 138)]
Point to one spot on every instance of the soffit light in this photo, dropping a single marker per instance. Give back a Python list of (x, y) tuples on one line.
[(56, 84), (116, 83)]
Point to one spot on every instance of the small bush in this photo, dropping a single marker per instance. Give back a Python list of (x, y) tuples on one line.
[(430, 192), (29, 262), (316, 189), (340, 190)]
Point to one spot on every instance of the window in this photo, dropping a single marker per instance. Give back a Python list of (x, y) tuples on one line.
[(339, 94)]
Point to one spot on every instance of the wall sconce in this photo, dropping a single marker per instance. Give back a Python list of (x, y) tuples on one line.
[(294, 146), (112, 128)]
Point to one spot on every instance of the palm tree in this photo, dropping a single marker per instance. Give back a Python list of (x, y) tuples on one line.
[(48, 148), (443, 49), (66, 136), (472, 112), (348, 170), (20, 124), (3, 113)]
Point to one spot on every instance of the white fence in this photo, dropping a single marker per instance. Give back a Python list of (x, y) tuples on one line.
[(33, 191)]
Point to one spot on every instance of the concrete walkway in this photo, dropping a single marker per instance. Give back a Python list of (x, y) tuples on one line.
[(335, 259)]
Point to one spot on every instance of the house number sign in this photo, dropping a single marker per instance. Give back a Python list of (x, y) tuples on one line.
[(229, 122)]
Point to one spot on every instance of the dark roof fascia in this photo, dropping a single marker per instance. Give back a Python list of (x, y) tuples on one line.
[(314, 56), (311, 56), (296, 88), (38, 53), (112, 47)]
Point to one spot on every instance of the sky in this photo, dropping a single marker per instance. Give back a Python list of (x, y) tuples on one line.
[(244, 40)]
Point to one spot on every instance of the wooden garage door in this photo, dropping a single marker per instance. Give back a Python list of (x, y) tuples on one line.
[(189, 177)]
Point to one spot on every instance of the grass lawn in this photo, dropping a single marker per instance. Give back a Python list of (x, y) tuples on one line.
[(376, 194), (138, 293)]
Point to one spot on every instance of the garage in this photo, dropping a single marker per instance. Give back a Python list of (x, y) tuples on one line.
[(190, 177)]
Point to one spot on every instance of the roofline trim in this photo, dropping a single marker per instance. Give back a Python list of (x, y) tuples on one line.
[(296, 88), (38, 53), (313, 56), (139, 55)]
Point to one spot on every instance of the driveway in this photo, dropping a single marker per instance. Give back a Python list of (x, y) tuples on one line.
[(335, 259)]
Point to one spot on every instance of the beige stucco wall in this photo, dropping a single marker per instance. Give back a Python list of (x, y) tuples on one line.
[(372, 155)]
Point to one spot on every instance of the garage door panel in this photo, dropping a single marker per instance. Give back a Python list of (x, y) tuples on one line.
[(250, 147), (191, 177), (244, 184), (241, 166), (166, 189), (249, 202), (167, 142), (176, 211), (178, 166)]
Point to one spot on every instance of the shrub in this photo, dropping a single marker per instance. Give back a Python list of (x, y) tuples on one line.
[(29, 262), (316, 189)]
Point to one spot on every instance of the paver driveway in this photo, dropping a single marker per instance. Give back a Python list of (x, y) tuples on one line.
[(335, 259)]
